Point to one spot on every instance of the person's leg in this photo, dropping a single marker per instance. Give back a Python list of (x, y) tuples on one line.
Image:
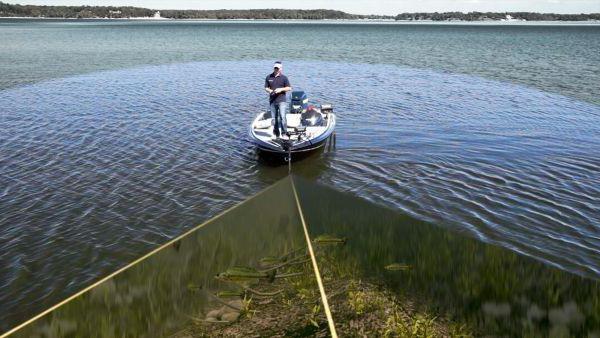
[(283, 112), (275, 116)]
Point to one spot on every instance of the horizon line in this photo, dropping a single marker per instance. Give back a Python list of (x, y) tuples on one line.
[(308, 9)]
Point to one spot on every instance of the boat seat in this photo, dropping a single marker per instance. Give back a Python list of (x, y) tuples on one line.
[(263, 124), (293, 120)]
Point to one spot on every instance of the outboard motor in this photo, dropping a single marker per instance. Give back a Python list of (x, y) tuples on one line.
[(312, 117), (299, 102)]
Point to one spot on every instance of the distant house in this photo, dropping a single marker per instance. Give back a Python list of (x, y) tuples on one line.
[(114, 14), (157, 15), (510, 18)]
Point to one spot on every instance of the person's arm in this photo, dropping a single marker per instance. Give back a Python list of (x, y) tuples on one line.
[(282, 89), (287, 87), (267, 89)]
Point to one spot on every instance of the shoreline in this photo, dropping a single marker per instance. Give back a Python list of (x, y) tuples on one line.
[(362, 21)]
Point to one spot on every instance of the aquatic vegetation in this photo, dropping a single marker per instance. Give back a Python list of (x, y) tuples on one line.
[(451, 275), (248, 279), (269, 292), (360, 308), (435, 283), (457, 330), (266, 299), (246, 310), (362, 301), (422, 326), (314, 314)]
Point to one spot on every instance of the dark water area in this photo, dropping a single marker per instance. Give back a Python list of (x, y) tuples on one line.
[(99, 168)]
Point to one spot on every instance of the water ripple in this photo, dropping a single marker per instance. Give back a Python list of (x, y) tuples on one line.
[(97, 169)]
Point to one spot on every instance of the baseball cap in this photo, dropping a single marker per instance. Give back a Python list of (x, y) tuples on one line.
[(277, 64)]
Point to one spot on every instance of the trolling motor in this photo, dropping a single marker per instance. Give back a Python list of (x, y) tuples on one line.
[(300, 132), (287, 147)]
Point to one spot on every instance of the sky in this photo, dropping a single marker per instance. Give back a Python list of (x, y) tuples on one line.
[(387, 7)]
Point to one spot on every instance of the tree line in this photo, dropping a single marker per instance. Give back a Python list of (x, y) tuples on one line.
[(483, 16), (316, 14), (10, 10)]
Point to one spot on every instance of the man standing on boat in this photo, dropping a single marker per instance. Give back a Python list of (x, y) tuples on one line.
[(277, 84)]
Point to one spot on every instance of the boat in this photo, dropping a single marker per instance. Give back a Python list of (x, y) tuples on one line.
[(308, 128)]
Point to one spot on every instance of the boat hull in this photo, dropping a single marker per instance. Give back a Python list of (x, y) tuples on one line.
[(279, 147), (297, 151)]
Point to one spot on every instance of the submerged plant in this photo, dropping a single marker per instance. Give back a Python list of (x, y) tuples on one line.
[(357, 302), (421, 326), (314, 314), (362, 307), (246, 310), (460, 331), (366, 300)]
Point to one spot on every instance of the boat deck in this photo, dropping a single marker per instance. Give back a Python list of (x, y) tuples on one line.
[(263, 129)]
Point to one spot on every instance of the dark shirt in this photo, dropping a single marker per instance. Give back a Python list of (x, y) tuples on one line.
[(275, 82)]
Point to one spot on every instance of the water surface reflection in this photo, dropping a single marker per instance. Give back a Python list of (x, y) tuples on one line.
[(97, 169)]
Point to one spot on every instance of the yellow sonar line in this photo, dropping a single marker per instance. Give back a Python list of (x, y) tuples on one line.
[(315, 266)]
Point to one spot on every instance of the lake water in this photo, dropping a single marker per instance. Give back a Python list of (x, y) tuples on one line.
[(117, 135)]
